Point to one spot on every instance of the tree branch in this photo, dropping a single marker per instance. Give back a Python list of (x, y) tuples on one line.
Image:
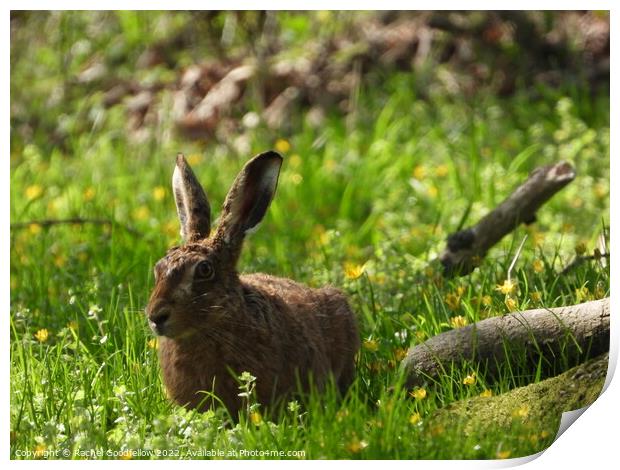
[(466, 247), (559, 336)]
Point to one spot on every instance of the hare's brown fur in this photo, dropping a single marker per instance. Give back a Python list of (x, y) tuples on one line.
[(285, 334)]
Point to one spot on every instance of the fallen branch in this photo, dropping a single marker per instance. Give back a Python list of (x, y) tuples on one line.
[(560, 337), (468, 246), (72, 221)]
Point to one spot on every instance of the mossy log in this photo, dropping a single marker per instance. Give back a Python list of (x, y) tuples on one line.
[(532, 412), (466, 247), (533, 341)]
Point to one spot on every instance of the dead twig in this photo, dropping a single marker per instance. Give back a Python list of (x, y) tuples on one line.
[(468, 246)]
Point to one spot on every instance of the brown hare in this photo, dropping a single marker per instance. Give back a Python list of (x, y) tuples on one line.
[(214, 323)]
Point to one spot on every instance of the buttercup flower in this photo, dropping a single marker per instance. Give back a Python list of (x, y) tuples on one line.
[(42, 335), (508, 287), (470, 379)]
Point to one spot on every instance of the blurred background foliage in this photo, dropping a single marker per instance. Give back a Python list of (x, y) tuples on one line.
[(74, 72)]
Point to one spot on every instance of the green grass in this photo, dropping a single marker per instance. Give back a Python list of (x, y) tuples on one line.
[(382, 190)]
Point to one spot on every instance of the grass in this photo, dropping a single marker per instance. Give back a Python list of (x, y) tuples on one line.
[(364, 203)]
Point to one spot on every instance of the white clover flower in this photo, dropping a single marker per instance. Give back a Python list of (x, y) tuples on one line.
[(94, 310)]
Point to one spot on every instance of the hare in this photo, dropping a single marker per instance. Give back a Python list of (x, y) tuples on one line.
[(215, 324)]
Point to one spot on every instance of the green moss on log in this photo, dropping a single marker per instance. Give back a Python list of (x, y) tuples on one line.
[(529, 414)]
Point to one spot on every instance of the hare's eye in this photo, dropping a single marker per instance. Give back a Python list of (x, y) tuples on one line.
[(205, 270)]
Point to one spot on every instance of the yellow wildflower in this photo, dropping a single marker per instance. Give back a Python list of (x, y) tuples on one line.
[(538, 238), (508, 287), (294, 161), (600, 190), (325, 238), (353, 271), (544, 434), (54, 205), (330, 164), (576, 202), (442, 170), (536, 296), (511, 304), (415, 418), (583, 293), (432, 191), (39, 451), (33, 192), (486, 300), (503, 454), (324, 16), (282, 145), (486, 393), (34, 228), (159, 193), (521, 412), (400, 353), (538, 266), (452, 301), (470, 379), (458, 322), (42, 335), (599, 292), (60, 261), (141, 213), (194, 159), (89, 193), (418, 393), (419, 172), (356, 445), (371, 345), (171, 228), (152, 343), (256, 418), (72, 325), (296, 178)]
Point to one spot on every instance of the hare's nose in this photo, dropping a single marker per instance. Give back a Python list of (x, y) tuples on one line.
[(159, 317)]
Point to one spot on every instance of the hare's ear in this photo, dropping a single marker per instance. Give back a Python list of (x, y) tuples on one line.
[(192, 204), (249, 197)]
